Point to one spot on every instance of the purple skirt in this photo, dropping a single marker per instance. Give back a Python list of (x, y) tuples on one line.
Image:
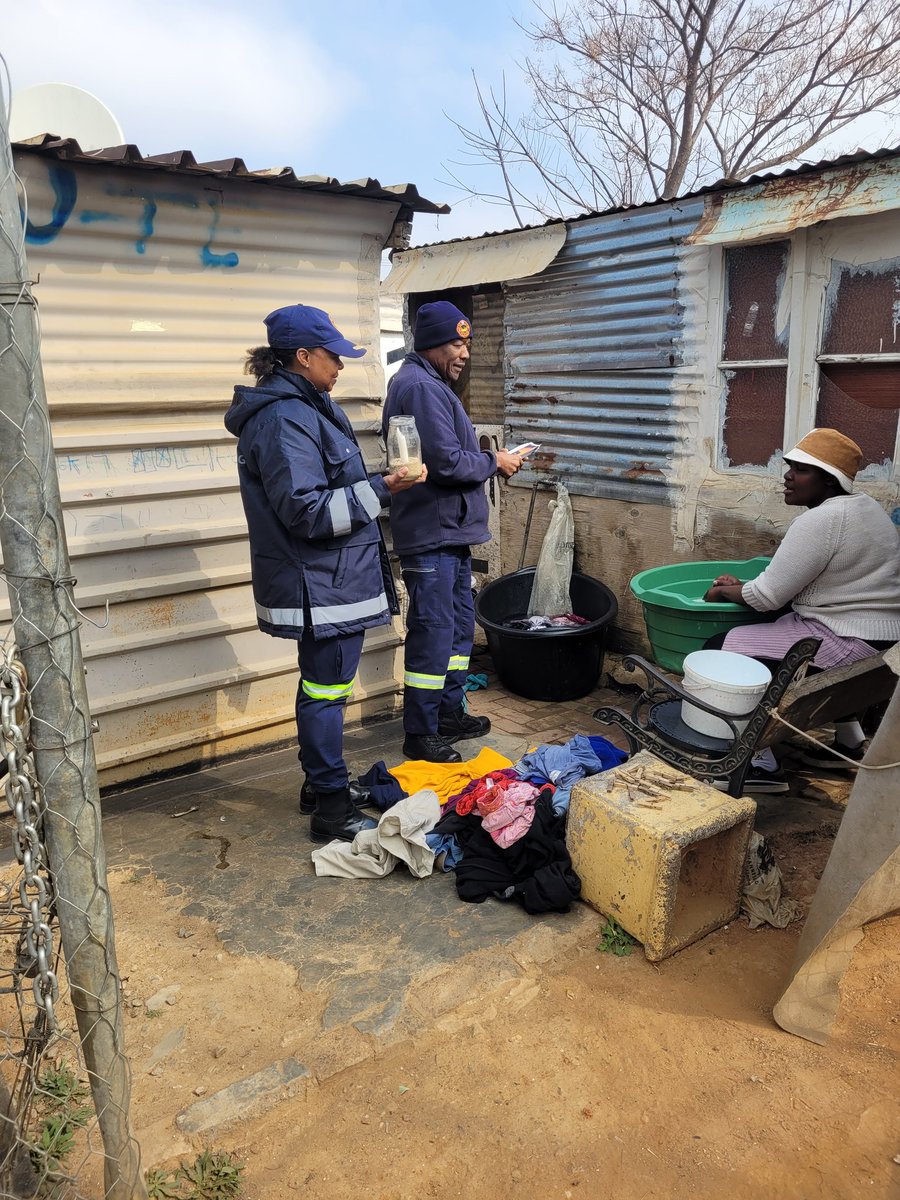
[(775, 638)]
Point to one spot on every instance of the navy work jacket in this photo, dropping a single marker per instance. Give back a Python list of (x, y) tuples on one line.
[(450, 507), (317, 554)]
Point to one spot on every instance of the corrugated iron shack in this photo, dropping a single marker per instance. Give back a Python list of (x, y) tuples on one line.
[(665, 355), (154, 276)]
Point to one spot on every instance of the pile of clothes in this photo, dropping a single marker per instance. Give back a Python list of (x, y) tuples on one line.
[(499, 825), (564, 621)]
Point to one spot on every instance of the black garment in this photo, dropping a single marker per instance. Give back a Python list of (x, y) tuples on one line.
[(383, 788), (536, 870)]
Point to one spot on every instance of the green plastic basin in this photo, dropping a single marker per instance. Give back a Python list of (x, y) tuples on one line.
[(677, 617)]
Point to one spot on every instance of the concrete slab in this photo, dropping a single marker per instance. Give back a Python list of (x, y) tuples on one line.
[(244, 1098)]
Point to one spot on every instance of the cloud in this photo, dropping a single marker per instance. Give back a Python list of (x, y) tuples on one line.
[(210, 79), (348, 89)]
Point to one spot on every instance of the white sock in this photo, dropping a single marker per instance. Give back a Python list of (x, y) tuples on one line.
[(849, 733), (765, 759)]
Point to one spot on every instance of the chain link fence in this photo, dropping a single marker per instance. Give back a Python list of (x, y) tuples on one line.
[(64, 1077)]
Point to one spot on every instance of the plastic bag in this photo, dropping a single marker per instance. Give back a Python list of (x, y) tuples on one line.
[(762, 900), (550, 590)]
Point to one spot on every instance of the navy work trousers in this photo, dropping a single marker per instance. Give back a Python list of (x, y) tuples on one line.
[(327, 669), (440, 626)]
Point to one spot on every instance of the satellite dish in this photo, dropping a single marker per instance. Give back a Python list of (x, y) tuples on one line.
[(69, 112)]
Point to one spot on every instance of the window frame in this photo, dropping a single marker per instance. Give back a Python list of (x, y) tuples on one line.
[(812, 252)]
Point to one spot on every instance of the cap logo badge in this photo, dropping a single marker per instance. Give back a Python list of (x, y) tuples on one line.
[(464, 329)]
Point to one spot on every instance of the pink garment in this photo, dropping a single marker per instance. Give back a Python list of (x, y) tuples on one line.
[(569, 619), (472, 794), (773, 639), (511, 818)]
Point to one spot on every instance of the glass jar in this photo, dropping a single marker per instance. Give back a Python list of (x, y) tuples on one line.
[(404, 449)]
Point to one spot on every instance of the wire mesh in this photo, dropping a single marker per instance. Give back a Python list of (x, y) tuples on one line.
[(64, 1077)]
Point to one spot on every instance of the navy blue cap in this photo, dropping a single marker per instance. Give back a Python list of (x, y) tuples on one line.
[(439, 323), (299, 327)]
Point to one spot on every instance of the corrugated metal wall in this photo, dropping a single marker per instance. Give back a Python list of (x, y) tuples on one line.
[(484, 388), (151, 289), (591, 345)]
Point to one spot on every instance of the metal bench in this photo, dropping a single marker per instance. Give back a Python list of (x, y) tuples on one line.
[(806, 701)]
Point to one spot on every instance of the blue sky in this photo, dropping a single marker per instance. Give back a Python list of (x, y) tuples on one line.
[(347, 88)]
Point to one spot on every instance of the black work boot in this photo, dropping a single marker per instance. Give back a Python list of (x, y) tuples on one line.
[(458, 726), (429, 747), (337, 817), (307, 803), (359, 796)]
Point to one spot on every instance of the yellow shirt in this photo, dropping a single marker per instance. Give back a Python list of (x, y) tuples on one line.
[(448, 779)]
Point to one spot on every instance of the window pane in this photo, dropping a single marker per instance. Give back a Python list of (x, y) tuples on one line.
[(850, 399), (754, 415), (755, 277), (861, 309)]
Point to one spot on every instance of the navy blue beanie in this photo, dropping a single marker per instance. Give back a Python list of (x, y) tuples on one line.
[(439, 323)]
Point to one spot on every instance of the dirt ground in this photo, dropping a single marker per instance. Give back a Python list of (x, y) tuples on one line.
[(592, 1076)]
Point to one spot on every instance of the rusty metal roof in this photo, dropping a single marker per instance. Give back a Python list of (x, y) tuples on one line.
[(183, 162), (722, 185)]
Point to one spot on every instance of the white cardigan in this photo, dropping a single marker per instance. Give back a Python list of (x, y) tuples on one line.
[(839, 564)]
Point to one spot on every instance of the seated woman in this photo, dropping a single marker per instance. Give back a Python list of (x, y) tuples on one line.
[(838, 566)]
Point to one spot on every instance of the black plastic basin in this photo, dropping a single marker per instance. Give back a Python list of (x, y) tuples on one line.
[(546, 664)]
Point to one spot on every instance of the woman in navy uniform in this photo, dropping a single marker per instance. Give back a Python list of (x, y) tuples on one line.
[(320, 571)]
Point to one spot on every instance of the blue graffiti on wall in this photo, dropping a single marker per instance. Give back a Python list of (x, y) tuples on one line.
[(65, 193), (146, 225), (64, 185), (208, 256), (89, 216)]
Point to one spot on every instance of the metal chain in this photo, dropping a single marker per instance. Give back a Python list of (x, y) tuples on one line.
[(25, 800)]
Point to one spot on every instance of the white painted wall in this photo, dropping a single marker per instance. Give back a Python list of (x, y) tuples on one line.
[(152, 287)]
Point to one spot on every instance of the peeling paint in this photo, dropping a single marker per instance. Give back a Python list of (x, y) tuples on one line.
[(776, 207), (640, 469), (883, 276)]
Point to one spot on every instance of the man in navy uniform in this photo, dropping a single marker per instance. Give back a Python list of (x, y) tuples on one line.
[(432, 531)]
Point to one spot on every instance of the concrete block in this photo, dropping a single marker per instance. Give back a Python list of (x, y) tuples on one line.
[(664, 859)]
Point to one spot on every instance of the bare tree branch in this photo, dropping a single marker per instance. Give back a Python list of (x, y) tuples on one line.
[(640, 99)]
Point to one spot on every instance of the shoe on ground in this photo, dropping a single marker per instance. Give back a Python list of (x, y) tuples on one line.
[(359, 796), (460, 726), (343, 828), (759, 782), (813, 757), (429, 747)]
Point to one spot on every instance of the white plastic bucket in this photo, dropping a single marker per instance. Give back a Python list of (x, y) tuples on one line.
[(733, 683)]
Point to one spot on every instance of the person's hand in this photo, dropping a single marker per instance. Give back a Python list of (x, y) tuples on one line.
[(725, 580), (397, 481), (726, 592), (508, 464)]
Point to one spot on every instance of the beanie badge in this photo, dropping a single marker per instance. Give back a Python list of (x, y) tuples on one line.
[(439, 323)]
